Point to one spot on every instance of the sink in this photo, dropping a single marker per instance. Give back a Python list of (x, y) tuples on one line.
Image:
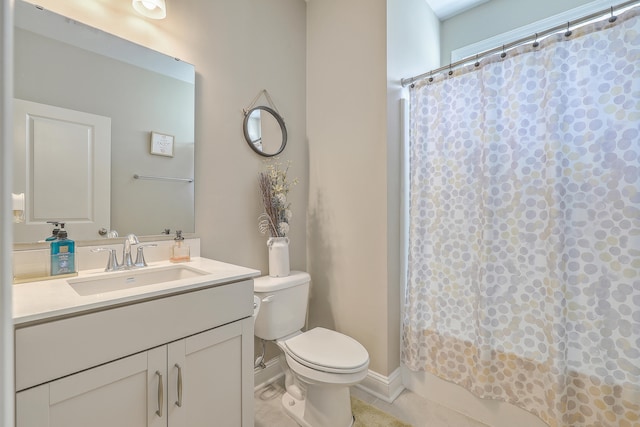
[(110, 282)]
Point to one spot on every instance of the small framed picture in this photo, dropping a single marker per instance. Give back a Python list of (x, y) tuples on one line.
[(162, 144)]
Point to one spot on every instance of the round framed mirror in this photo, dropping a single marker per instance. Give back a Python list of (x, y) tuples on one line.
[(264, 131)]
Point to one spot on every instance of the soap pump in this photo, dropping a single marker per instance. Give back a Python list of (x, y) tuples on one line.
[(62, 254), (54, 232), (180, 250)]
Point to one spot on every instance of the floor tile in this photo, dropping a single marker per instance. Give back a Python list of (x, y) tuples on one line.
[(268, 408), (408, 407)]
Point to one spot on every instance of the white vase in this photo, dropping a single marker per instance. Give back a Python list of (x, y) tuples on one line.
[(278, 256)]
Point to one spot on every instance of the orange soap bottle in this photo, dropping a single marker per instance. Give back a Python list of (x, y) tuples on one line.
[(180, 251)]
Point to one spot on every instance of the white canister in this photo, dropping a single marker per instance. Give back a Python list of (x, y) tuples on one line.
[(278, 256)]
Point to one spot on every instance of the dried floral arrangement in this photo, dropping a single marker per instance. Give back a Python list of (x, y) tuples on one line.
[(274, 189)]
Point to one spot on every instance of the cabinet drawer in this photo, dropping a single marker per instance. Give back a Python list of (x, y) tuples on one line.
[(55, 349)]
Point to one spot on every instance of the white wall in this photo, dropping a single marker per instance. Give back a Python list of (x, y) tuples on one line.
[(496, 17), (6, 148), (238, 48), (413, 46)]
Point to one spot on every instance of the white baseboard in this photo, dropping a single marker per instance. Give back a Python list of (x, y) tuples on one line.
[(385, 388), (264, 376)]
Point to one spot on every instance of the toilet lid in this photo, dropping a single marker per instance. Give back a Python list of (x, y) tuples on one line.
[(322, 348)]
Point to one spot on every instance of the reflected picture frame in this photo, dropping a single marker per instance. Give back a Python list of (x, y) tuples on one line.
[(162, 144)]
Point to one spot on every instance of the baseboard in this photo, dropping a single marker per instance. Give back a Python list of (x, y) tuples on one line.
[(385, 388), (267, 375)]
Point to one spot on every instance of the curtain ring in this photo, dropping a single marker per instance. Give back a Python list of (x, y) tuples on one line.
[(450, 70), (503, 54), (477, 64), (431, 76), (613, 17), (568, 32), (535, 42)]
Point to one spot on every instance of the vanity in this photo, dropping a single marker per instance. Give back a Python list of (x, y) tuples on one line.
[(164, 345)]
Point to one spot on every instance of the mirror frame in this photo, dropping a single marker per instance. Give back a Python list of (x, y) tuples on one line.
[(280, 121)]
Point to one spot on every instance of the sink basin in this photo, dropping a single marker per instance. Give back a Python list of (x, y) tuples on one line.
[(110, 282)]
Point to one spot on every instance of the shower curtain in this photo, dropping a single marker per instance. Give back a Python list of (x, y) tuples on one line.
[(524, 246)]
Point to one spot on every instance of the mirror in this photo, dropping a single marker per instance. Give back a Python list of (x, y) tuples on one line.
[(265, 131), (68, 65)]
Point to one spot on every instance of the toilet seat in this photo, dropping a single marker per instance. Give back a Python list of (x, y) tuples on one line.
[(327, 351)]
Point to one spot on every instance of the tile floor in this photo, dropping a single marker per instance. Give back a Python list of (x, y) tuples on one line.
[(408, 407)]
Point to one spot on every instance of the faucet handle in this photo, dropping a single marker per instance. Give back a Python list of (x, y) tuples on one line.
[(140, 261), (112, 262)]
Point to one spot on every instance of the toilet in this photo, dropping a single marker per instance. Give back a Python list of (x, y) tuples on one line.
[(319, 365)]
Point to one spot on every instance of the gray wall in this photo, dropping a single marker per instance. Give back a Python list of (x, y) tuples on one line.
[(355, 61), (346, 99)]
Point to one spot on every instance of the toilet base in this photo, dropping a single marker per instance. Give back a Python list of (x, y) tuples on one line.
[(295, 409)]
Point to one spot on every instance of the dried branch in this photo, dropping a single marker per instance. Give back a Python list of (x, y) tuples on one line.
[(264, 181)]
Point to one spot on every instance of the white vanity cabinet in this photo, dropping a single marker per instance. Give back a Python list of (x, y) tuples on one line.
[(201, 393), (181, 360)]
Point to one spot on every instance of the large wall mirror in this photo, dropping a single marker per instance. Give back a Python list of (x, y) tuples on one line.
[(70, 67)]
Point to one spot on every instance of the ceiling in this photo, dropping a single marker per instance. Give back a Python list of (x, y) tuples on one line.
[(445, 9)]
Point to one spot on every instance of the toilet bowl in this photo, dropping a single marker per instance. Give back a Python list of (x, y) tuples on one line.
[(319, 365)]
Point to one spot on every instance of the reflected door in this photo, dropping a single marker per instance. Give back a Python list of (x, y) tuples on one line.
[(74, 192)]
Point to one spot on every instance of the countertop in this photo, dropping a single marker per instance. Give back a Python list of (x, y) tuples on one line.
[(51, 299)]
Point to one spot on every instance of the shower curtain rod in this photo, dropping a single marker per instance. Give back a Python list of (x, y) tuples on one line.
[(503, 48)]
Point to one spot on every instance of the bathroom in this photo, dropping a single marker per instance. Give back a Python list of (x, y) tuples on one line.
[(341, 108)]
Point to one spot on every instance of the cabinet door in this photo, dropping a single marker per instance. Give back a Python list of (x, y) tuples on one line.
[(211, 378), (121, 393)]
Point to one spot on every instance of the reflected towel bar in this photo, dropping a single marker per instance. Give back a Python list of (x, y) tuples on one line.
[(162, 178)]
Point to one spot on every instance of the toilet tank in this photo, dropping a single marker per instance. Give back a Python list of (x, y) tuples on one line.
[(283, 307)]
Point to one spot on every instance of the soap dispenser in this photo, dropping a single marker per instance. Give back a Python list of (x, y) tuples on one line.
[(180, 250), (62, 254)]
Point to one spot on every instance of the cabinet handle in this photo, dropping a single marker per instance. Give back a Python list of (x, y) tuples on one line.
[(179, 401), (160, 394)]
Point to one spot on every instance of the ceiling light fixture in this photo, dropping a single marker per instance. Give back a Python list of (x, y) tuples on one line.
[(154, 9)]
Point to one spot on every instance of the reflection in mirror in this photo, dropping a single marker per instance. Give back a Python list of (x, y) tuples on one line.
[(64, 64), (265, 131)]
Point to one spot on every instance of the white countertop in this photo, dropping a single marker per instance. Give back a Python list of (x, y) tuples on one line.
[(49, 299)]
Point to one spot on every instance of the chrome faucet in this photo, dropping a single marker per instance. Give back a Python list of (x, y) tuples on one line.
[(127, 263), (130, 240)]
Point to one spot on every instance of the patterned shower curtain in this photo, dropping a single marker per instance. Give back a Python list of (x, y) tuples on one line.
[(524, 246)]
